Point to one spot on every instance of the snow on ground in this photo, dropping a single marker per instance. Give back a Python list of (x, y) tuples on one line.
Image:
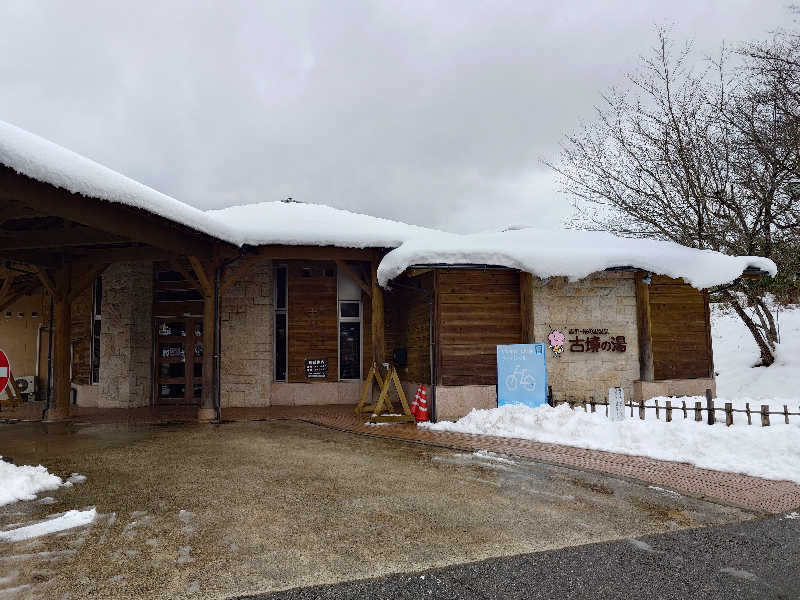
[(67, 520), (771, 452), (24, 482)]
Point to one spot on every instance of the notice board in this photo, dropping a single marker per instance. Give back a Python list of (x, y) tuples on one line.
[(316, 368), (521, 374)]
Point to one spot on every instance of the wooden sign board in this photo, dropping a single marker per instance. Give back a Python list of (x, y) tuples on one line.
[(616, 404), (316, 368)]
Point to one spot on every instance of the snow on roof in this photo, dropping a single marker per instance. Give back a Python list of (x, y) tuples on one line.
[(297, 223), (45, 161), (570, 253), (544, 253)]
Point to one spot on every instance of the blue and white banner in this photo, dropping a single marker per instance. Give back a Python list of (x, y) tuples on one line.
[(521, 374)]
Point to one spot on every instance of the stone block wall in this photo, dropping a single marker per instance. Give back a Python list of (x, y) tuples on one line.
[(246, 313), (601, 301), (126, 339)]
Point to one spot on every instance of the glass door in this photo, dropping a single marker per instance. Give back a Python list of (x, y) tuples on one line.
[(179, 360)]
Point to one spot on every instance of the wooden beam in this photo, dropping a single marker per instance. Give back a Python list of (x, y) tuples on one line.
[(47, 282), (526, 307), (85, 281), (276, 252), (113, 255), (34, 240), (417, 272), (644, 326), (202, 277), (187, 276), (7, 283), (354, 276), (112, 217), (16, 295)]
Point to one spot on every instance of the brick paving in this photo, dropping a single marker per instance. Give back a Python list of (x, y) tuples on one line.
[(745, 491)]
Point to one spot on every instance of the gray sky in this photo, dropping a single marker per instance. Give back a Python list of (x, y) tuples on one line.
[(435, 113)]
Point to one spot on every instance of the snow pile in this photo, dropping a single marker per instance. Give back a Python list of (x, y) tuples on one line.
[(48, 162), (24, 482), (296, 223), (68, 520), (735, 352), (569, 253), (769, 452)]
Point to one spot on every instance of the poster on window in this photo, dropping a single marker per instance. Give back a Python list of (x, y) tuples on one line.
[(521, 374)]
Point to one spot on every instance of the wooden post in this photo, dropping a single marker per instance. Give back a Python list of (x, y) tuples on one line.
[(641, 409), (698, 411), (728, 414), (786, 414), (644, 325), (669, 411), (526, 307), (683, 407), (378, 353), (550, 399), (749, 416), (591, 403), (710, 407), (657, 411), (765, 415), (206, 277), (62, 338), (583, 403)]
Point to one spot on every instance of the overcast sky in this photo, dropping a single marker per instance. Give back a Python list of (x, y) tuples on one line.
[(435, 113)]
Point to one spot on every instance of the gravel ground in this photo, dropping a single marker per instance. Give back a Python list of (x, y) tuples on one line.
[(193, 511)]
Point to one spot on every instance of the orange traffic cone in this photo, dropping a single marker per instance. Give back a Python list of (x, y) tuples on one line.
[(415, 404), (422, 409)]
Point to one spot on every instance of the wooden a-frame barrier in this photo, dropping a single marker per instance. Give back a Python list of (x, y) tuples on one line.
[(383, 410)]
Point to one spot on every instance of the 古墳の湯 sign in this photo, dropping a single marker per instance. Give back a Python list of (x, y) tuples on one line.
[(316, 368), (595, 340)]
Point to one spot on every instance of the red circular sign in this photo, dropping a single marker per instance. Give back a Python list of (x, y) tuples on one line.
[(5, 371)]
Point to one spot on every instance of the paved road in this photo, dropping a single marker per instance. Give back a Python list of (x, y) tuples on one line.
[(757, 559)]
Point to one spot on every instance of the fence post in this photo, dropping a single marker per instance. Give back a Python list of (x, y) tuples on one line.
[(728, 414), (698, 411), (550, 396), (749, 416), (641, 409), (786, 414), (591, 403), (631, 408), (683, 405), (657, 417), (710, 407), (583, 402), (765, 415), (669, 411)]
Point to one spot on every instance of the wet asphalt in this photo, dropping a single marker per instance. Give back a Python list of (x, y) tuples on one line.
[(758, 559)]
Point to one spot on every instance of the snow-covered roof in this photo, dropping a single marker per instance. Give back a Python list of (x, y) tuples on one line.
[(570, 253), (544, 253), (45, 161), (296, 223)]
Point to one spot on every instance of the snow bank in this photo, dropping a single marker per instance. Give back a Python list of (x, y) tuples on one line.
[(296, 223), (24, 482), (70, 519), (769, 452), (569, 253), (48, 162)]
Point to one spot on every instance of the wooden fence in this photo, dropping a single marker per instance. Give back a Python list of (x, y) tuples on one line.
[(669, 409)]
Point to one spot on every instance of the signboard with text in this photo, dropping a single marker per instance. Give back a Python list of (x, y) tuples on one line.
[(616, 404), (521, 374), (316, 368)]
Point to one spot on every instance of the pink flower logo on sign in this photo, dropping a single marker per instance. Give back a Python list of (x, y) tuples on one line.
[(556, 339)]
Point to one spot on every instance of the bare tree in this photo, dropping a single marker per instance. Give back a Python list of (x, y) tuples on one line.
[(705, 158)]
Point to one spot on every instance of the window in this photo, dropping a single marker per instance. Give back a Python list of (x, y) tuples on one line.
[(281, 333), (97, 302), (349, 340)]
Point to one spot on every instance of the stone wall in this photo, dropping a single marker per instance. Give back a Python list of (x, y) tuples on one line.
[(246, 339), (601, 301), (126, 339)]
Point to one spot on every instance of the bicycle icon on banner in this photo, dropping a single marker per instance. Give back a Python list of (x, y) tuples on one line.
[(521, 378)]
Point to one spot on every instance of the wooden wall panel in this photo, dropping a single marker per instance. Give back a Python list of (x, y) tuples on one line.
[(407, 322), (680, 330), (477, 310), (312, 318)]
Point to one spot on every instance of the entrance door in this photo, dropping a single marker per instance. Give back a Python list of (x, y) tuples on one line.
[(179, 360)]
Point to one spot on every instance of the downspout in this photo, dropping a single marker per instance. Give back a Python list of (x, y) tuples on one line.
[(432, 352), (216, 350)]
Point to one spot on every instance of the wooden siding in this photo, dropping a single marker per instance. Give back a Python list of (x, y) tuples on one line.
[(476, 310), (407, 323), (680, 330), (312, 318)]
